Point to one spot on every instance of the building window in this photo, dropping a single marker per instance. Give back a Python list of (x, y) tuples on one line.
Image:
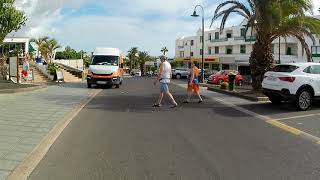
[(201, 39), (209, 50), (191, 54), (209, 36), (201, 51), (272, 48), (229, 50), (206, 65), (243, 32), (289, 51), (192, 42), (216, 50), (243, 49), (181, 53), (216, 35), (229, 35)]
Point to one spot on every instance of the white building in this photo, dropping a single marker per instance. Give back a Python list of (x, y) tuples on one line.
[(232, 48), (15, 43)]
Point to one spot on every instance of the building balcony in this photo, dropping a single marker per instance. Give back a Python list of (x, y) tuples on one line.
[(219, 40)]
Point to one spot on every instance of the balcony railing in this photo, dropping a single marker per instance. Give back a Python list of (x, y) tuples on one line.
[(219, 40), (239, 38), (246, 39), (250, 39), (180, 47)]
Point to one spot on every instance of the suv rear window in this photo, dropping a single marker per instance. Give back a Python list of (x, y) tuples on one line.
[(285, 68)]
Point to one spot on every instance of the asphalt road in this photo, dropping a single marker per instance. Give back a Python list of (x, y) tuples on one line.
[(119, 136)]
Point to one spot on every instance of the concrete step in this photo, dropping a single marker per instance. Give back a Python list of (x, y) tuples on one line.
[(68, 77)]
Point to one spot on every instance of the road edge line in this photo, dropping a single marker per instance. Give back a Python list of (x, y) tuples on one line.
[(269, 120), (26, 167)]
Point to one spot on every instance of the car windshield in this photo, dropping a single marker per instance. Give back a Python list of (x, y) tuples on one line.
[(105, 60), (285, 68)]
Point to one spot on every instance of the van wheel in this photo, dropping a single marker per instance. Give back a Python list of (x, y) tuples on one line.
[(303, 100)]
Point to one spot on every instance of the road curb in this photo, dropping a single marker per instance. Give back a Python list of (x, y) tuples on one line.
[(20, 90), (26, 167), (235, 94)]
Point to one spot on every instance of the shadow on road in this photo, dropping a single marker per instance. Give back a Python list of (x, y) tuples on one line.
[(269, 109), (143, 104)]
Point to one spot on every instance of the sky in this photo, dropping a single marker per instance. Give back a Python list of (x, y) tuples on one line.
[(146, 24)]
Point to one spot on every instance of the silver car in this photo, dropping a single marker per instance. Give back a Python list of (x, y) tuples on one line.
[(179, 73)]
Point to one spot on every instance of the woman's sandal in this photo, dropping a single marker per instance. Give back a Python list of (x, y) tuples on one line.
[(156, 105)]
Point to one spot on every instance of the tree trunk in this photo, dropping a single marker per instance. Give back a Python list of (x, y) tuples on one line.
[(261, 60)]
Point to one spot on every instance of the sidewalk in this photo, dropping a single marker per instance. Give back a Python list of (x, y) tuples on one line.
[(26, 118)]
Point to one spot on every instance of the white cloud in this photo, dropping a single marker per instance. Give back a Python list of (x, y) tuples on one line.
[(316, 4)]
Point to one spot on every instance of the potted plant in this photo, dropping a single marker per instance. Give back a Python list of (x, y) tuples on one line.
[(52, 69)]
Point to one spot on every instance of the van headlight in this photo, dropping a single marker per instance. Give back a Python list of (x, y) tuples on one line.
[(89, 72)]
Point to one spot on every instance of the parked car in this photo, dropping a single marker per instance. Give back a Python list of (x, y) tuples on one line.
[(209, 72), (296, 82), (136, 72), (179, 73), (223, 76)]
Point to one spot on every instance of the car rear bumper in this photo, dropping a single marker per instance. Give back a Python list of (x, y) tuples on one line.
[(284, 94)]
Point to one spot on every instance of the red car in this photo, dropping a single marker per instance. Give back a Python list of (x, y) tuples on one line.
[(222, 76)]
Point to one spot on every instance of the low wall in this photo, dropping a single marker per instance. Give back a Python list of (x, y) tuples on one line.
[(75, 63)]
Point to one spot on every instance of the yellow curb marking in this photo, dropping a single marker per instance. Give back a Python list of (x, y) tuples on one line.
[(284, 127), (26, 167)]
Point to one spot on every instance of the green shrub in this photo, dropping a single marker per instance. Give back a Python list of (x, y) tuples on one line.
[(52, 68)]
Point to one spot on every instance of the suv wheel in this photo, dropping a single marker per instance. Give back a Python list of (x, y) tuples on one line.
[(304, 100), (178, 76), (275, 99)]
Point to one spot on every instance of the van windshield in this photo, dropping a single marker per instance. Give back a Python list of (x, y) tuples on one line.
[(105, 60)]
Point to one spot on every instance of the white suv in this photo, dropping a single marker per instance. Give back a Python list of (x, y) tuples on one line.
[(179, 73), (299, 82)]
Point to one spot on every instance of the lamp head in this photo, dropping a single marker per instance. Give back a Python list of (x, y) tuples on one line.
[(194, 14)]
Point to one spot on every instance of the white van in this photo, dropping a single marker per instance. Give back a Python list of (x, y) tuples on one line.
[(106, 68)]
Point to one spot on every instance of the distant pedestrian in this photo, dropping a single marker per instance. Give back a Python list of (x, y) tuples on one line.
[(25, 67), (164, 77), (193, 83)]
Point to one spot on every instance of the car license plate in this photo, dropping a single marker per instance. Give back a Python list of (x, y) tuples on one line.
[(101, 82)]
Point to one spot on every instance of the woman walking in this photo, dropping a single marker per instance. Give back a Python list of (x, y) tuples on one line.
[(193, 83)]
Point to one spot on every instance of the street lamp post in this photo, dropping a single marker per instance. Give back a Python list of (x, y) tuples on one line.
[(202, 57)]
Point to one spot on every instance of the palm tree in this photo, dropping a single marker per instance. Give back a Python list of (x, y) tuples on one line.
[(39, 42), (143, 58), (271, 19), (49, 48), (164, 50), (133, 56)]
